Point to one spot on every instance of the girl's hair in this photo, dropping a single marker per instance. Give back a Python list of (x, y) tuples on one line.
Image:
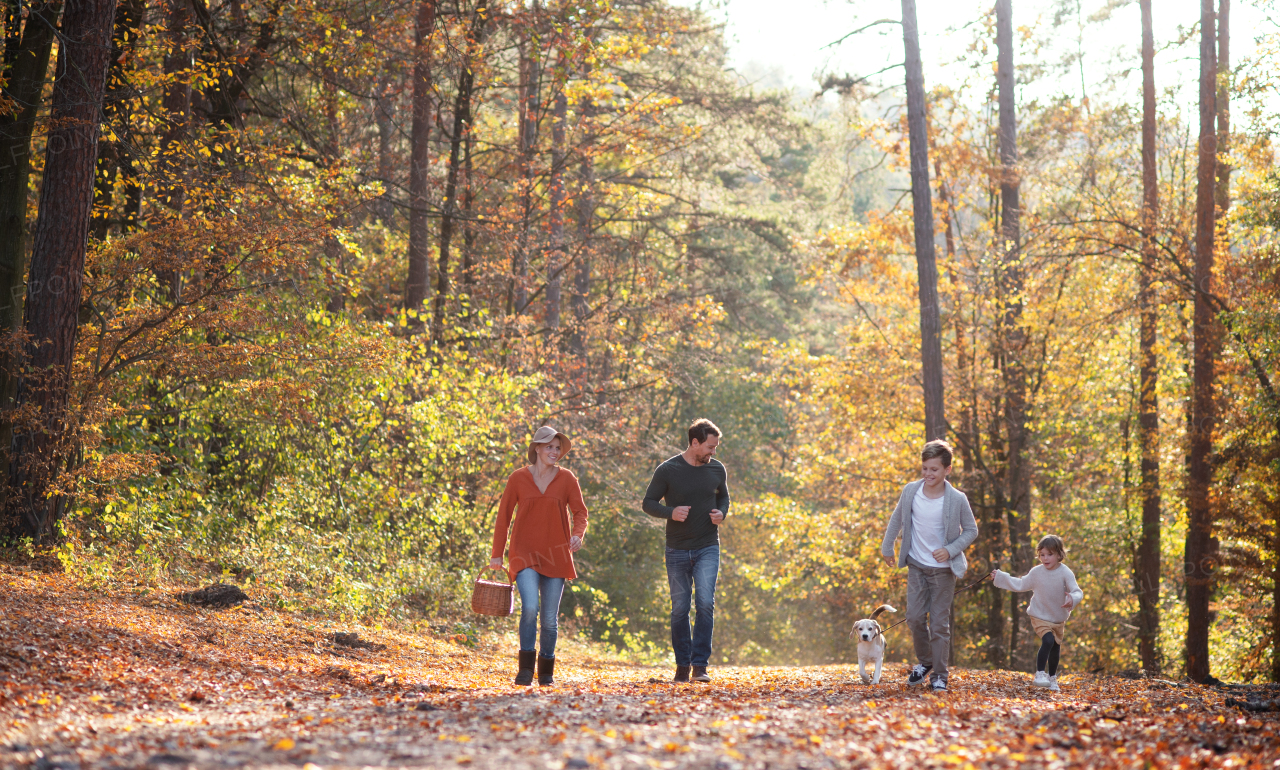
[(1053, 544)]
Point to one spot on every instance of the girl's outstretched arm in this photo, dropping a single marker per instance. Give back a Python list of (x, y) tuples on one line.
[(1008, 582)]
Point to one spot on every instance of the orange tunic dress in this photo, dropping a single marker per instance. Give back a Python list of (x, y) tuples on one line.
[(540, 537)]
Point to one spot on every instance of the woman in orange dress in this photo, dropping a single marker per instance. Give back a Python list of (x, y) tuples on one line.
[(550, 522)]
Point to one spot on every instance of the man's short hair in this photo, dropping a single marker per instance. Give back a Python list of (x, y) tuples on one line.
[(1052, 544), (939, 449), (700, 429)]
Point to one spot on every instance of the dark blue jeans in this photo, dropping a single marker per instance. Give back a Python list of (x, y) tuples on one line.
[(539, 596), (692, 577)]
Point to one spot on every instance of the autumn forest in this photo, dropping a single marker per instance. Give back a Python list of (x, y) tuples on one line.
[(287, 286)]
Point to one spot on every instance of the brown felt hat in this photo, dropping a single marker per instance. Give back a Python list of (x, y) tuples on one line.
[(544, 436)]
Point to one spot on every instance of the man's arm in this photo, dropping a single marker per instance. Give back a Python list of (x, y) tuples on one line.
[(722, 496), (657, 490)]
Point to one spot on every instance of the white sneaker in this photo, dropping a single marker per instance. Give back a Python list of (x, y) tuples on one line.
[(1053, 683), (1041, 679)]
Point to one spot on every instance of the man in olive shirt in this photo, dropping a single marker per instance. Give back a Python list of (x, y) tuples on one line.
[(696, 491)]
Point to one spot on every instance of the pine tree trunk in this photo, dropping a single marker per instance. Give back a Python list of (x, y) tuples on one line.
[(461, 128), (975, 481), (335, 251), (416, 284), (57, 264), (1147, 567), (582, 278), (114, 159), (1222, 191), (1275, 589), (177, 102), (23, 77), (993, 535), (383, 110), (555, 254), (922, 208), (1200, 551), (468, 226), (177, 65), (529, 106), (585, 211), (1012, 334)]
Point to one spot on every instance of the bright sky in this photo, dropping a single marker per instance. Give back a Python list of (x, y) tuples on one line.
[(782, 42)]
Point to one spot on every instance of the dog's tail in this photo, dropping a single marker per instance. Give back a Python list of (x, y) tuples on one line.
[(880, 609)]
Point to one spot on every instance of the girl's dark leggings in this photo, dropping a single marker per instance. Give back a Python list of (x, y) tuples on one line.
[(1047, 659)]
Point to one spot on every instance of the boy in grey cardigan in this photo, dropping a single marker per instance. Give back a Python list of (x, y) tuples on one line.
[(936, 524)]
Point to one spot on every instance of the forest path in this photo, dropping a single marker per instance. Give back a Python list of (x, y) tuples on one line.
[(94, 679)]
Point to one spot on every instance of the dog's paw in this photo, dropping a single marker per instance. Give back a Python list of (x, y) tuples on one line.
[(866, 679)]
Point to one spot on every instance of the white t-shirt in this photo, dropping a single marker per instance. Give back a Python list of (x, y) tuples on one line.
[(927, 528)]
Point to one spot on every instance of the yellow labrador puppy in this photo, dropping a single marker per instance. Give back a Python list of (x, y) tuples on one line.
[(870, 643)]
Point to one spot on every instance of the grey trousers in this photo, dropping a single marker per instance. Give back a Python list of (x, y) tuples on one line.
[(929, 595)]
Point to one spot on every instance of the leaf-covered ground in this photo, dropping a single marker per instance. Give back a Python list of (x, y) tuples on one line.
[(116, 680)]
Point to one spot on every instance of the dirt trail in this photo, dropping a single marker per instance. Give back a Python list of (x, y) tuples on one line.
[(93, 680)]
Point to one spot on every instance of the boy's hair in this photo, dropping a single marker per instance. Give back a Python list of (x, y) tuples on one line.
[(702, 428), (939, 449), (1053, 544)]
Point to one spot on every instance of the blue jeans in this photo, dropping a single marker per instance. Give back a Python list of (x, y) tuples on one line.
[(692, 577), (531, 586)]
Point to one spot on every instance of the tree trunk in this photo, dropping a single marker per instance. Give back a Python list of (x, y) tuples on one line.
[(993, 534), (383, 110), (1200, 547), (335, 254), (555, 254), (585, 212), (582, 277), (1012, 334), (975, 480), (461, 128), (57, 263), (171, 189), (922, 207), (1275, 589), (1147, 567), (468, 228), (529, 107), (26, 63), (177, 103), (1222, 191), (415, 287), (114, 158)]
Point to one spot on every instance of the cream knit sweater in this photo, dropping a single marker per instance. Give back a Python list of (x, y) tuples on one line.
[(1050, 589)]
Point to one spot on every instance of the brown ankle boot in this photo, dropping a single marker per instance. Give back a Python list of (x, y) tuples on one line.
[(700, 674), (546, 670), (682, 674), (525, 677)]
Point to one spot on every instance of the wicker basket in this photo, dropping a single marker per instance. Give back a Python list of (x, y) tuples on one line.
[(490, 597)]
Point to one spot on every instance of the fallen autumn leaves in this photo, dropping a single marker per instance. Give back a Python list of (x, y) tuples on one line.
[(93, 680)]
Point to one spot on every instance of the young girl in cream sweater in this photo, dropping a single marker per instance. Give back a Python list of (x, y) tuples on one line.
[(1054, 595)]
